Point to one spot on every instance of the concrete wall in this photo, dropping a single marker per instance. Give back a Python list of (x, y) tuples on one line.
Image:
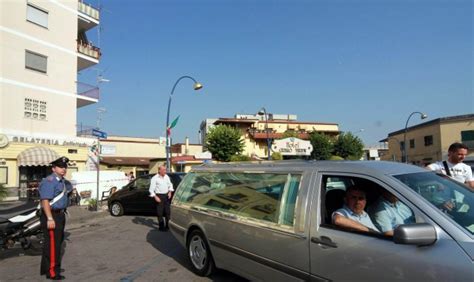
[(57, 87)]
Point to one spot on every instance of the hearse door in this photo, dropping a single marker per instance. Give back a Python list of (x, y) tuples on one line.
[(337, 254)]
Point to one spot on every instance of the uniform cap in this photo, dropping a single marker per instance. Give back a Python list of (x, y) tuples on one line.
[(61, 162)]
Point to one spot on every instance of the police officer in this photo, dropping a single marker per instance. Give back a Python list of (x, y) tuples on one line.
[(54, 191)]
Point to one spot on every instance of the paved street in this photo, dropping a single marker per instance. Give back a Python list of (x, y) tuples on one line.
[(128, 248)]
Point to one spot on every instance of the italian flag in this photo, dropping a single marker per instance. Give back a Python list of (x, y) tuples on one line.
[(173, 124)]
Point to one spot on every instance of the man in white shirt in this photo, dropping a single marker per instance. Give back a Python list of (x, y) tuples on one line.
[(161, 189), (454, 166)]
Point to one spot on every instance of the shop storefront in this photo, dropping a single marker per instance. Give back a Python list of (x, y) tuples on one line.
[(24, 162)]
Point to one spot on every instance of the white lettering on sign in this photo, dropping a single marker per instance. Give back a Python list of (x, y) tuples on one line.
[(48, 141), (293, 147)]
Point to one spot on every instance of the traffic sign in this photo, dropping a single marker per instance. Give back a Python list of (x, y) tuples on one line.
[(98, 133)]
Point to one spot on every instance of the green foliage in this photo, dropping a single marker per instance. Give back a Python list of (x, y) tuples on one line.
[(336, 158), (92, 204), (348, 146), (276, 156), (3, 192), (240, 158), (290, 133), (223, 142), (322, 146)]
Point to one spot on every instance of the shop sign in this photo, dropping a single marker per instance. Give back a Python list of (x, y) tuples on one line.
[(292, 147), (107, 150), (79, 142)]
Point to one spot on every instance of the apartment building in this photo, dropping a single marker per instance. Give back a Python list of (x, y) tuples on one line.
[(429, 141), (43, 46), (254, 129)]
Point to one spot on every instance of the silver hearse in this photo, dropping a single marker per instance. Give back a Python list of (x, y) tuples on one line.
[(273, 221)]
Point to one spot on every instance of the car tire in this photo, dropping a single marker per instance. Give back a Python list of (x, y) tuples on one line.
[(116, 209), (199, 254)]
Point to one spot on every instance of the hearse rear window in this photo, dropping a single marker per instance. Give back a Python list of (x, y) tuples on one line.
[(269, 197)]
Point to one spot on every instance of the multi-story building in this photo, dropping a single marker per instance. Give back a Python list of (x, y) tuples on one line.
[(429, 141), (255, 134), (43, 46)]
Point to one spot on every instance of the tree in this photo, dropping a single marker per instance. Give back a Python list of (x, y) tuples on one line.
[(224, 141), (348, 146), (239, 158), (289, 133), (276, 156), (322, 146)]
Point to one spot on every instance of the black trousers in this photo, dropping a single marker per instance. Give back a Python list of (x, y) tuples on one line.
[(163, 209), (53, 239)]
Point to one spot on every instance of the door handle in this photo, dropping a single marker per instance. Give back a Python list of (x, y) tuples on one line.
[(324, 240)]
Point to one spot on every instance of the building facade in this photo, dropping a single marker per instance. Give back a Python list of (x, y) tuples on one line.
[(43, 46), (131, 154), (429, 141), (254, 131)]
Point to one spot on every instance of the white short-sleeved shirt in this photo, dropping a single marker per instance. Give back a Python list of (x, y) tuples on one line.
[(460, 172), (363, 218), (160, 185)]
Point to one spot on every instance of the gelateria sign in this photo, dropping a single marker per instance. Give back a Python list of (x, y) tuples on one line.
[(78, 141), (292, 147)]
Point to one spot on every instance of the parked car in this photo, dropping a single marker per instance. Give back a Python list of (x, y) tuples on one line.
[(272, 221), (134, 197)]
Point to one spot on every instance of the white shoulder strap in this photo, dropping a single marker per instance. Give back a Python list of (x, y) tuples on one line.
[(56, 198)]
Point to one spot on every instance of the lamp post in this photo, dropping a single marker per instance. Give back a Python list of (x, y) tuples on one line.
[(197, 86), (263, 111), (405, 155)]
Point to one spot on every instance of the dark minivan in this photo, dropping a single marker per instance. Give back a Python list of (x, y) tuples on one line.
[(134, 197)]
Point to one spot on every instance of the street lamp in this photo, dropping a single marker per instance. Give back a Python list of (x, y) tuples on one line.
[(197, 86), (263, 111), (405, 155)]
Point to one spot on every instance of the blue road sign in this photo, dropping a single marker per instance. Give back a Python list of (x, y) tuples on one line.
[(98, 133)]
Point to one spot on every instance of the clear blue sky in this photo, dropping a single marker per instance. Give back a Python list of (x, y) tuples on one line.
[(361, 64)]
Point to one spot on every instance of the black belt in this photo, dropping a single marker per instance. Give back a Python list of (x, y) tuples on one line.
[(57, 211)]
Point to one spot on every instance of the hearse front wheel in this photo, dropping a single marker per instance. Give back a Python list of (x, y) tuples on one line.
[(199, 254)]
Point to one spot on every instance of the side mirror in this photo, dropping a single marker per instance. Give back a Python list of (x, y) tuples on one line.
[(420, 234)]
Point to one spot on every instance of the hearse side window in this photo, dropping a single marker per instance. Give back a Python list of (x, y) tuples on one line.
[(357, 204), (269, 197)]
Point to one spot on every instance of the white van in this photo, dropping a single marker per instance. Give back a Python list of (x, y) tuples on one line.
[(85, 183)]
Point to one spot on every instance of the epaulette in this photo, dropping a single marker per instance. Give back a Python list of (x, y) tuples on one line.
[(50, 178)]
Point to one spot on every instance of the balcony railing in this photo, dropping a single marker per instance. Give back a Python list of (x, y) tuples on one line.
[(88, 10), (84, 89), (88, 49)]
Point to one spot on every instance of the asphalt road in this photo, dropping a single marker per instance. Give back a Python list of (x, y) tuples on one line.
[(128, 248)]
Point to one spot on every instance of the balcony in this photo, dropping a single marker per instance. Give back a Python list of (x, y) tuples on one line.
[(88, 55), (86, 94), (88, 16)]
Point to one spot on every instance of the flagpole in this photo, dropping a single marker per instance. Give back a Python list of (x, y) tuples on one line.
[(197, 86)]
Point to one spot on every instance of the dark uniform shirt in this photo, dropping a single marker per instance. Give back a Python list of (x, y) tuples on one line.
[(52, 186)]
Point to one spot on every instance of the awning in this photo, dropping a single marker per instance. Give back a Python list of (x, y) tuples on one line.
[(37, 156)]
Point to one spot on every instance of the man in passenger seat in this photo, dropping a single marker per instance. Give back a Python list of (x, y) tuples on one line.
[(389, 212), (352, 215)]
